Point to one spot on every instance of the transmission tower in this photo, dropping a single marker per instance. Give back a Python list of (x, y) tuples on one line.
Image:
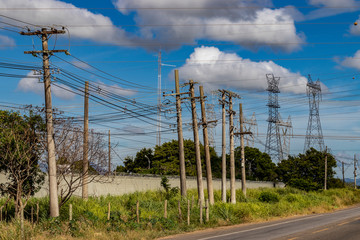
[(250, 125), (314, 136), (286, 132), (273, 141)]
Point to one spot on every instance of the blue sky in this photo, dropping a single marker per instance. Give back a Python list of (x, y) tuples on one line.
[(221, 44)]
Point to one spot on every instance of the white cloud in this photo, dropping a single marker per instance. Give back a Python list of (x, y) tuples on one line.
[(32, 84), (355, 29), (331, 7), (231, 21), (79, 64), (216, 69), (352, 62), (6, 42), (66, 14), (103, 88)]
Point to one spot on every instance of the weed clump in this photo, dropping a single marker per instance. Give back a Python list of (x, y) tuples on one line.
[(269, 197)]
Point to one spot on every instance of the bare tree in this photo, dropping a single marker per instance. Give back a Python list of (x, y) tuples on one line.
[(69, 155)]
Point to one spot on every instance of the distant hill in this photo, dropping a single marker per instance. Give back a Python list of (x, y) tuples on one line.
[(351, 180)]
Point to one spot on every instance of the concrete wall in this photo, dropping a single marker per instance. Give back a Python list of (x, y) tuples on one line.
[(122, 184)]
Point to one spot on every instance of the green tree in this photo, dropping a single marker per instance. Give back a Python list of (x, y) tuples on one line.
[(142, 163), (258, 165), (306, 171), (165, 160), (20, 151)]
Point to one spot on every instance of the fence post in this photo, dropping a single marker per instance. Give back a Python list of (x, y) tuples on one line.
[(70, 212), (207, 210), (179, 209), (32, 215), (165, 209), (1, 208), (109, 209), (37, 212), (201, 211), (137, 212), (188, 212)]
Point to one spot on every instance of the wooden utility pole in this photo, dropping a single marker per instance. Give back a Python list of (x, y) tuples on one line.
[(355, 171), (109, 164), (232, 156), (85, 144), (343, 172), (46, 53), (196, 142), (206, 147), (325, 180), (223, 149), (180, 136)]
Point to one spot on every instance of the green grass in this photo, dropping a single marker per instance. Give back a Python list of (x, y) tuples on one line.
[(90, 217)]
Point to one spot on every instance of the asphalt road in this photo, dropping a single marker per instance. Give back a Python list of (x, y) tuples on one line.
[(343, 224)]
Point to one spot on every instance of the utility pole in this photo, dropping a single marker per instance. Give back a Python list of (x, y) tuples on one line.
[(46, 53), (180, 136), (223, 147), (196, 142), (242, 133), (232, 156), (325, 180), (85, 144), (343, 172), (206, 147), (354, 171), (109, 165), (158, 140)]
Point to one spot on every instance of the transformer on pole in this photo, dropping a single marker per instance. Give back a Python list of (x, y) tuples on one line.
[(314, 136)]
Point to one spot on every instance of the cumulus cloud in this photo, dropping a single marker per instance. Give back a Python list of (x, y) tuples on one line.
[(31, 84), (332, 7), (352, 62), (216, 69), (355, 29), (6, 42), (66, 14), (231, 21), (103, 88)]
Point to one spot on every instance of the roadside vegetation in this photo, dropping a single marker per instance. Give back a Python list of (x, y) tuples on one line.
[(90, 218), (141, 215)]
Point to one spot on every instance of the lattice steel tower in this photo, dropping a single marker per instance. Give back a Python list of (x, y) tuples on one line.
[(314, 136), (273, 141)]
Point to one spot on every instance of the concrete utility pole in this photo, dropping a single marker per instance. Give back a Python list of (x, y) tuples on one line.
[(178, 94), (325, 180), (243, 176), (46, 53), (180, 136), (196, 142), (85, 144), (206, 146), (355, 171), (343, 172), (109, 165), (223, 148), (158, 139), (232, 156)]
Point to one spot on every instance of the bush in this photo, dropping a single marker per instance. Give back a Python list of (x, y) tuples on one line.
[(335, 183), (304, 184), (269, 197)]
